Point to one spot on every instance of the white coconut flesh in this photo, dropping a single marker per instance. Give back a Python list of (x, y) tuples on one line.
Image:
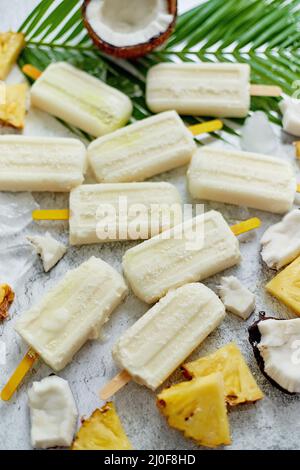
[(128, 23)]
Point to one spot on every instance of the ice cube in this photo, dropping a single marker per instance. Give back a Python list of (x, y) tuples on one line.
[(15, 212), (258, 135)]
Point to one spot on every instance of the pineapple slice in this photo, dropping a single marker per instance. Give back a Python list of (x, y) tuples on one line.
[(240, 385), (285, 286), (11, 45), (102, 431), (13, 110), (198, 409), (7, 296)]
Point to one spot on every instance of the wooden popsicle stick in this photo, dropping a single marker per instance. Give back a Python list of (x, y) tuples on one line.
[(265, 90), (297, 145), (246, 226), (51, 214), (31, 71), (298, 188), (21, 371), (114, 385), (204, 127)]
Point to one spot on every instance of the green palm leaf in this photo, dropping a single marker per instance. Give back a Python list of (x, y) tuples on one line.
[(263, 33)]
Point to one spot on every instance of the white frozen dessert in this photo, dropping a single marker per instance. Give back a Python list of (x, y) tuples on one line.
[(279, 347), (168, 333), (189, 252), (53, 413), (200, 89), (290, 108), (72, 312), (242, 178), (50, 250), (41, 163), (122, 211), (281, 242), (141, 150), (80, 99), (236, 297)]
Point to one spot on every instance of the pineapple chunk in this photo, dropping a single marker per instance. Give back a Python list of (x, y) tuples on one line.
[(198, 409), (102, 431), (285, 286), (13, 110), (11, 45), (7, 296), (240, 385)]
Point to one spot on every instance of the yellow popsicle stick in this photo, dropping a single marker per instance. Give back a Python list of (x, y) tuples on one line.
[(246, 226), (31, 71), (297, 146), (203, 127), (52, 214), (19, 374), (298, 188)]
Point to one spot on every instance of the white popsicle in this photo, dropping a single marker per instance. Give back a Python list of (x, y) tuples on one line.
[(200, 89), (72, 312), (41, 163), (96, 211), (80, 99), (242, 178), (168, 333), (190, 252), (141, 150)]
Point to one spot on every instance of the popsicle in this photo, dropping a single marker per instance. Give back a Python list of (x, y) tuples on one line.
[(41, 163), (141, 150), (189, 252), (242, 178), (166, 335), (122, 211), (80, 99), (203, 89), (70, 314)]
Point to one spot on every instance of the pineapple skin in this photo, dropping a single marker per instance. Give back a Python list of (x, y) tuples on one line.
[(11, 45), (240, 385), (198, 409), (102, 431)]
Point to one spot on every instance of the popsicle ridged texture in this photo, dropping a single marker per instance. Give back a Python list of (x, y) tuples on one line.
[(190, 252), (242, 178), (199, 89), (41, 163), (93, 204), (168, 333), (80, 99), (72, 312), (141, 150)]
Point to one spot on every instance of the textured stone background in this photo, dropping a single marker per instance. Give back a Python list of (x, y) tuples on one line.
[(270, 424)]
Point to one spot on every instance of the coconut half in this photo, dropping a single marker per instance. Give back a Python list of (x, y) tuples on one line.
[(131, 28)]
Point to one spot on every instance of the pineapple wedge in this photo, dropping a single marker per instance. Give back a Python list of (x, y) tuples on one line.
[(102, 431), (198, 409), (285, 286), (7, 296), (13, 110), (240, 385), (11, 45)]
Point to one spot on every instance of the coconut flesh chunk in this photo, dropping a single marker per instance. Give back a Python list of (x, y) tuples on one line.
[(128, 23)]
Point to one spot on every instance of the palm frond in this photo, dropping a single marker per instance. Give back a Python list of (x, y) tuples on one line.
[(263, 33)]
